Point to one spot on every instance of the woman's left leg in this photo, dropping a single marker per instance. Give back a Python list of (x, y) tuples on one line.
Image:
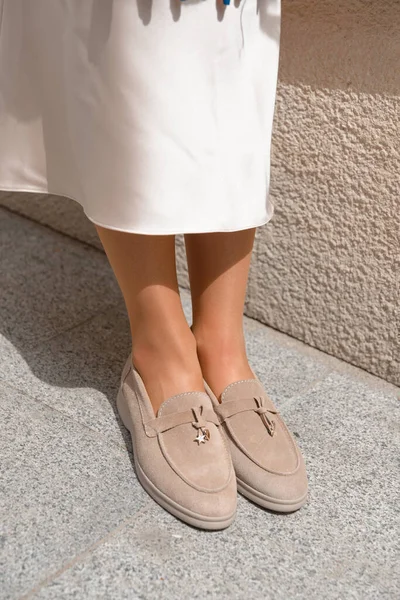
[(218, 271), (269, 466)]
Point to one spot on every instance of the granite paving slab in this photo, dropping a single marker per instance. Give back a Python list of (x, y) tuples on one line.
[(49, 282), (62, 489), (77, 372)]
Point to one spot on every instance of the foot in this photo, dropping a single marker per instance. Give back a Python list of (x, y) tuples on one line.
[(168, 365), (269, 466), (181, 456)]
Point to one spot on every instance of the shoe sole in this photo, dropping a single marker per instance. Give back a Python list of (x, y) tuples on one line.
[(268, 502), (182, 513)]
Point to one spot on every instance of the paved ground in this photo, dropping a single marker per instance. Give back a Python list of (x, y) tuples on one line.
[(76, 524)]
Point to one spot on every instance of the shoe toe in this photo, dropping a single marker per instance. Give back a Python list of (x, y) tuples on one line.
[(269, 466), (220, 505), (283, 492), (181, 456)]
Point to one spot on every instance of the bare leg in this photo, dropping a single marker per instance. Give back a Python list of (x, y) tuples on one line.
[(218, 270), (163, 347)]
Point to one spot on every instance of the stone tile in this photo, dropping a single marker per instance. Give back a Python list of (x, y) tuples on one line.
[(346, 535), (77, 372), (63, 489), (342, 544), (49, 282)]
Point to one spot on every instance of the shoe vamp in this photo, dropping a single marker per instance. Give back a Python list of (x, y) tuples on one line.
[(276, 453), (205, 465)]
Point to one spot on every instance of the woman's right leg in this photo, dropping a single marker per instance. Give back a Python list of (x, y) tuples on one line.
[(163, 347)]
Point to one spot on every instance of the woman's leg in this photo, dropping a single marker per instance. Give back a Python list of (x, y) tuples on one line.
[(163, 347), (218, 271)]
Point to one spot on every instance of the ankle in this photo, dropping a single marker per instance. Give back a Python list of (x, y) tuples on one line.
[(222, 357), (228, 345), (167, 368), (170, 351)]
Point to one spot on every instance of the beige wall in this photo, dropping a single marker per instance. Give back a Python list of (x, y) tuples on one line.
[(326, 269), (331, 260)]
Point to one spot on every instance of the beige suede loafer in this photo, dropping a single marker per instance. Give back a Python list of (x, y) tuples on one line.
[(269, 467), (181, 455)]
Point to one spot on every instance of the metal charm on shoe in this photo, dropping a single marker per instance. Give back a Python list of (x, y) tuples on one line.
[(203, 434)]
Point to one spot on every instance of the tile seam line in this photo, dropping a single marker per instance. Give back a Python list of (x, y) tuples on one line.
[(318, 383), (69, 329), (121, 447), (80, 557)]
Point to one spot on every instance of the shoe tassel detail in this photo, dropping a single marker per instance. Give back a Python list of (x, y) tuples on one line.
[(203, 434), (262, 411)]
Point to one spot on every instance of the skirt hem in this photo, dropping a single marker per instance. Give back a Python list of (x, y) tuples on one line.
[(264, 221)]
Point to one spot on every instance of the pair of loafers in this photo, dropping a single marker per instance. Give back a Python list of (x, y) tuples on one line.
[(197, 453)]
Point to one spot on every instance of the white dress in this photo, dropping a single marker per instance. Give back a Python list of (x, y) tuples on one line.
[(155, 115)]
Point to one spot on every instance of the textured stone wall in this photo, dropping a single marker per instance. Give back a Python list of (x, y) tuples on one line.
[(326, 269)]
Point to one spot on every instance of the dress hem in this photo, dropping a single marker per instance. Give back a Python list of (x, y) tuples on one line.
[(114, 228)]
